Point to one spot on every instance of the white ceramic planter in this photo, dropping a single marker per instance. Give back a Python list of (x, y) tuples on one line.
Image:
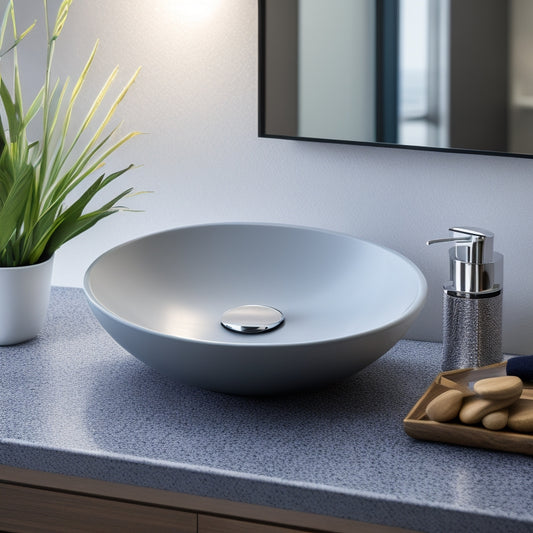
[(24, 296)]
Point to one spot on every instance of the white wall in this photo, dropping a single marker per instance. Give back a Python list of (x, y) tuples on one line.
[(197, 99)]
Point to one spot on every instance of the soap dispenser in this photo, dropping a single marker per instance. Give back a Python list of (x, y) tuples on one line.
[(472, 320)]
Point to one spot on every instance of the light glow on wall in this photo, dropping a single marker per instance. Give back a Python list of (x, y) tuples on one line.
[(192, 11)]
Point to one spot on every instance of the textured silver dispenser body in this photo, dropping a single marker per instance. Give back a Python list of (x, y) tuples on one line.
[(472, 301), (472, 333)]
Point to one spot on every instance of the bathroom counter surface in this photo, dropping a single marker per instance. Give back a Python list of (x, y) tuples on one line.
[(73, 402)]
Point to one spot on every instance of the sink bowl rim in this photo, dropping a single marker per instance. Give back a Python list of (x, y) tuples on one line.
[(410, 314)]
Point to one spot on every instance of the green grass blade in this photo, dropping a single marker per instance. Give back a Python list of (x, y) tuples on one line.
[(82, 170), (17, 40), (33, 109), (88, 220), (115, 104), (10, 109), (3, 27), (61, 18), (81, 80), (61, 156), (97, 102), (53, 235), (13, 209), (109, 115), (6, 182), (56, 104), (67, 224)]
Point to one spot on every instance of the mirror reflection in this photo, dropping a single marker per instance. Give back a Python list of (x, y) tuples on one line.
[(444, 74)]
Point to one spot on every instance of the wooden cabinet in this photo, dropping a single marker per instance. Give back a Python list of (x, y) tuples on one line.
[(216, 524), (39, 502), (33, 510)]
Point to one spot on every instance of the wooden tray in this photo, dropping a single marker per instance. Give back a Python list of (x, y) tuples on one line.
[(418, 425)]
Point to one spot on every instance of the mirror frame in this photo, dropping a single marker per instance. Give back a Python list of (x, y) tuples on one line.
[(262, 103)]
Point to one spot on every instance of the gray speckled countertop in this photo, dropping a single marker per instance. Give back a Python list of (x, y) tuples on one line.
[(73, 402)]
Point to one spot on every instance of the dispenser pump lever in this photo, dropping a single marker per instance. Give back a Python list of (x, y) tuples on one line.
[(473, 245)]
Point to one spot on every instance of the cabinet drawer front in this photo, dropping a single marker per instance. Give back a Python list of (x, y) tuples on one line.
[(30, 510), (214, 524)]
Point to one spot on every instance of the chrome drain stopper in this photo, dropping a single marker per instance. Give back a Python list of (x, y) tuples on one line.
[(252, 319)]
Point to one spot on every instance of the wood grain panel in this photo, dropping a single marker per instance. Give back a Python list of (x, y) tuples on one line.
[(30, 510), (215, 524), (300, 521)]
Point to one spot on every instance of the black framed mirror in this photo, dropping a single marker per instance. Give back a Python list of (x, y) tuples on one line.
[(447, 75)]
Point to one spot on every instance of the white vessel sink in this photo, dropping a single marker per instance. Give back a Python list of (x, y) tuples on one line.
[(344, 301)]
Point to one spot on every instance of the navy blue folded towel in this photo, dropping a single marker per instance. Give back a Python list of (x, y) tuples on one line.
[(521, 366)]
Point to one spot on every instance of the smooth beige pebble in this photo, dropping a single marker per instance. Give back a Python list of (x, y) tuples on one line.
[(445, 406), (496, 420), (521, 416), (475, 408), (499, 388)]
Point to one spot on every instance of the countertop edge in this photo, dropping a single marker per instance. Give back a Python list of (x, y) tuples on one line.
[(251, 489)]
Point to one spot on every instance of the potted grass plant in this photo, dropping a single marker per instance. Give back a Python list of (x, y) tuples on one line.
[(48, 182)]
